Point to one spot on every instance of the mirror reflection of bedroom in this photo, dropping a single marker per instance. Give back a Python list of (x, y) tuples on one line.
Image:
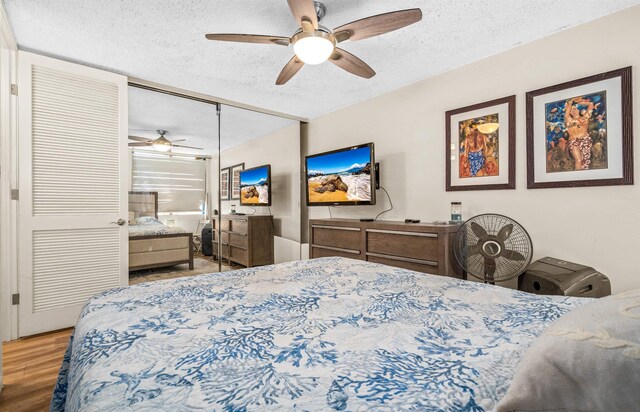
[(260, 189), (175, 191), (171, 142)]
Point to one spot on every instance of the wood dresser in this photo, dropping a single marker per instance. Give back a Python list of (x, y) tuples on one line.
[(247, 240), (422, 247)]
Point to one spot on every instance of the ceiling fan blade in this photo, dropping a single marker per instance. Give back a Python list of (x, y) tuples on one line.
[(351, 63), (140, 139), (479, 231), (513, 255), (472, 250), (505, 232), (250, 38), (304, 10), (289, 70), (377, 25), (187, 147), (140, 144), (179, 140), (489, 268)]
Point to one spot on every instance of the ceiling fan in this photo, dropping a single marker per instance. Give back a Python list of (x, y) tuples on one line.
[(315, 44), (161, 144)]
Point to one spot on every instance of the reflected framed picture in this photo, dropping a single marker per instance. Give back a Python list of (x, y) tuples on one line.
[(579, 133), (481, 142), (234, 176), (224, 184)]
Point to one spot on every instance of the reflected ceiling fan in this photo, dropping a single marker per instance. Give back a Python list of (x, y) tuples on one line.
[(315, 44), (161, 144)]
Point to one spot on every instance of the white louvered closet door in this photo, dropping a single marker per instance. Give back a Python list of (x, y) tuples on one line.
[(74, 175)]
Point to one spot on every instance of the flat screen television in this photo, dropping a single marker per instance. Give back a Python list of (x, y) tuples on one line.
[(255, 186), (341, 177)]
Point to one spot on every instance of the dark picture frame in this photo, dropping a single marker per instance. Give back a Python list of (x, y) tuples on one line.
[(454, 161), (225, 184), (234, 179), (595, 101)]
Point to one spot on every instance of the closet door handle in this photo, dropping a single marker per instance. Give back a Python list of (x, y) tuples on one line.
[(120, 222)]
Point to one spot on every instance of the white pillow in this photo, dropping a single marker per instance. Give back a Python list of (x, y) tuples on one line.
[(588, 360)]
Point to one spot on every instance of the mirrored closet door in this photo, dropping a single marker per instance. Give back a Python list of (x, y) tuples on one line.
[(259, 195), (172, 141)]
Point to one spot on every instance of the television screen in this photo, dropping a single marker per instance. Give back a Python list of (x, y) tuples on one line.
[(255, 186), (341, 177)]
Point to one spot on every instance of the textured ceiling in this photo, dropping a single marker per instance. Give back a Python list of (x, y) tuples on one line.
[(196, 121), (163, 41)]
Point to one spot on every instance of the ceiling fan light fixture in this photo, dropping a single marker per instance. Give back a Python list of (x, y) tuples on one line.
[(162, 147), (314, 48)]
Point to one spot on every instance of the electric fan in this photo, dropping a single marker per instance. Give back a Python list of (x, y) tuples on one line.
[(492, 248)]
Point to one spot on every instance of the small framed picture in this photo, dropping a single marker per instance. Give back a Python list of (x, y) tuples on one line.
[(234, 176), (224, 184), (481, 142), (579, 133)]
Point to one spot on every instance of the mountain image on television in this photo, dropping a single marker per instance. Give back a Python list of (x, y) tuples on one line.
[(342, 176), (254, 186)]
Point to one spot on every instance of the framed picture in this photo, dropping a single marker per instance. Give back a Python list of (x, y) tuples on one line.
[(234, 176), (224, 184), (481, 142), (579, 133)]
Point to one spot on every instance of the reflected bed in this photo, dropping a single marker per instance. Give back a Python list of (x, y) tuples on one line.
[(153, 244)]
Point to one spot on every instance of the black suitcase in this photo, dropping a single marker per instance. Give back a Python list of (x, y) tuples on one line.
[(207, 240)]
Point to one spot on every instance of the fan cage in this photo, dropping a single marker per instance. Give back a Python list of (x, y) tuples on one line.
[(474, 264)]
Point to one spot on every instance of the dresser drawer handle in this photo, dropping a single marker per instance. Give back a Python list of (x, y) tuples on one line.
[(404, 259), (349, 229), (231, 232), (337, 249), (397, 232)]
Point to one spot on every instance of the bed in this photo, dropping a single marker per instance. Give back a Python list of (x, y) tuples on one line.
[(322, 334), (151, 243)]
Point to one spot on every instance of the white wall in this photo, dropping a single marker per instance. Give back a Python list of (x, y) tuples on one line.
[(281, 150), (597, 226), (8, 180)]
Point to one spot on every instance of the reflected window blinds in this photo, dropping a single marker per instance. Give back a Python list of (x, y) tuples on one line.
[(180, 181)]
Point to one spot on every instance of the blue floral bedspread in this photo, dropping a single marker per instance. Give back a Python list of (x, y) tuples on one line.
[(323, 334)]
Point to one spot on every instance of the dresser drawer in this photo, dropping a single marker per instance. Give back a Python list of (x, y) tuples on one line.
[(235, 239), (405, 263), (237, 226), (224, 249), (318, 252), (336, 236), (413, 245), (238, 255)]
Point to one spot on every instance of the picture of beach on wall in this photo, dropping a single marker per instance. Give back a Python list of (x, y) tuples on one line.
[(343, 176), (254, 186)]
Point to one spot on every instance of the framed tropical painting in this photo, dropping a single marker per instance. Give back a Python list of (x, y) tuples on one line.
[(224, 184), (579, 133), (234, 176), (481, 141)]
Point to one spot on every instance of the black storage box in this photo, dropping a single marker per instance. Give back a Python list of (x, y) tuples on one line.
[(551, 276), (207, 240)]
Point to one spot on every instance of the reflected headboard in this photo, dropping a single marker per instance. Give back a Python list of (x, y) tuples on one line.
[(143, 204)]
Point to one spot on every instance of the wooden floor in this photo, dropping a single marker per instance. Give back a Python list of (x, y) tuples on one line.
[(31, 365), (30, 368)]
